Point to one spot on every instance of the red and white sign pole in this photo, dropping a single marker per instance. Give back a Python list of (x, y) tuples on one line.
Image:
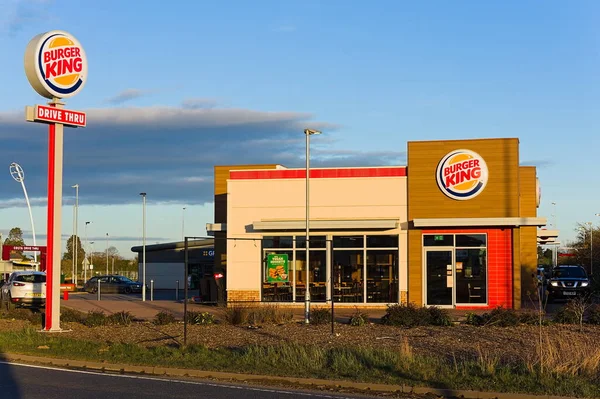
[(55, 177), (56, 67)]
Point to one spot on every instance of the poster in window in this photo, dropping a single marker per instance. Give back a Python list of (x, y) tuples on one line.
[(277, 268)]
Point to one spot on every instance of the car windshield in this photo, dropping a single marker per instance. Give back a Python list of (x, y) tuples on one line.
[(563, 272), (31, 278)]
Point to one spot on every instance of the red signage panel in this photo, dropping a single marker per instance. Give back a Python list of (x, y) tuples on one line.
[(59, 115)]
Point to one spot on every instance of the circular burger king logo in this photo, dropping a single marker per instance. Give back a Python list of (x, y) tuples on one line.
[(462, 174), (55, 64)]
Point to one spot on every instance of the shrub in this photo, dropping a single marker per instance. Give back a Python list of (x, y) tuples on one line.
[(320, 316), (162, 318), (22, 314), (568, 314), (95, 318), (236, 314), (359, 318), (593, 314), (501, 317), (255, 315), (72, 316), (412, 316), (120, 318), (438, 316), (200, 318), (530, 317), (474, 319)]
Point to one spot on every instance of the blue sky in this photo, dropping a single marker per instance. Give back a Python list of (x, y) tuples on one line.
[(175, 89)]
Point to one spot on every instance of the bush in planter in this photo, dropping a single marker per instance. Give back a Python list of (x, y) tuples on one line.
[(359, 318), (163, 318), (320, 316), (593, 314), (200, 318), (410, 315), (502, 317)]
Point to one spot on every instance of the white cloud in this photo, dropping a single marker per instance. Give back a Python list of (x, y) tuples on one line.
[(127, 95)]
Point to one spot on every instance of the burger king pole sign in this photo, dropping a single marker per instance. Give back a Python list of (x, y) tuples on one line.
[(56, 68)]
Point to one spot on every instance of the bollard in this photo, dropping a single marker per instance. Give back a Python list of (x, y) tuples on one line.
[(151, 290), (98, 289), (66, 295), (177, 292)]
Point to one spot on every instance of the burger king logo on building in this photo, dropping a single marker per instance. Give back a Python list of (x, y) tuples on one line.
[(462, 174), (56, 64)]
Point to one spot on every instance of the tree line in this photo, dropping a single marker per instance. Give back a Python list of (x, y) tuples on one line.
[(96, 258)]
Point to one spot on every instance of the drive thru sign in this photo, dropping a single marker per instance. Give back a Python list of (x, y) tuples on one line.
[(56, 68)]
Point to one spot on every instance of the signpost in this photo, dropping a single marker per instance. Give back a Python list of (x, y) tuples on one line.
[(56, 68)]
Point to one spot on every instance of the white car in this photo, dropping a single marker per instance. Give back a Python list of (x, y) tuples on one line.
[(25, 287)]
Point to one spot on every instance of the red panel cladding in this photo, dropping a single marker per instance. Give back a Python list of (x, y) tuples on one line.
[(399, 171), (500, 270)]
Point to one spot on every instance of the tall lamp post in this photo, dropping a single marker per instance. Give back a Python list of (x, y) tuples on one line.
[(75, 224), (16, 171), (143, 246), (87, 250), (107, 253), (183, 224), (308, 133)]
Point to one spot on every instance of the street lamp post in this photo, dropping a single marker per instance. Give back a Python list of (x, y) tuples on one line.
[(183, 224), (92, 258), (308, 133), (143, 246), (16, 171), (107, 253), (87, 248), (75, 224)]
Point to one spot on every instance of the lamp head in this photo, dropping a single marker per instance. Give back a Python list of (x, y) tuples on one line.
[(16, 171), (311, 132), (75, 186), (143, 194)]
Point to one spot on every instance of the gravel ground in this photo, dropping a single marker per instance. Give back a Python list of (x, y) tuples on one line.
[(459, 341)]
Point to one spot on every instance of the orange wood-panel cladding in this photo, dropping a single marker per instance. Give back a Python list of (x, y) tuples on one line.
[(528, 262), (500, 197), (415, 267), (527, 189), (221, 175)]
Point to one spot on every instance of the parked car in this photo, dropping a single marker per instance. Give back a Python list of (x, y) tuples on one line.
[(27, 287), (112, 284), (567, 282)]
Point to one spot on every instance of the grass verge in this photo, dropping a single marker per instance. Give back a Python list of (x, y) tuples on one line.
[(483, 372)]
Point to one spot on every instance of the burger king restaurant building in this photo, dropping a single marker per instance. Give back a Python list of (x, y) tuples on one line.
[(456, 227)]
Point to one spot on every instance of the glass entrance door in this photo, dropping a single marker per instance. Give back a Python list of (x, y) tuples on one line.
[(439, 280)]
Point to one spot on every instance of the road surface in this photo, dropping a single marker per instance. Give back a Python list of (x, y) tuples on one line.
[(20, 381)]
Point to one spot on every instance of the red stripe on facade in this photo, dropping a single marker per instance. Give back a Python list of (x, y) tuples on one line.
[(317, 173)]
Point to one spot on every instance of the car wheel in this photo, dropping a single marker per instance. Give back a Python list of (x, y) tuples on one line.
[(128, 290), (94, 290)]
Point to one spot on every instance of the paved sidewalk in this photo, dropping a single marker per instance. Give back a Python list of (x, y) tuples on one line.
[(85, 302)]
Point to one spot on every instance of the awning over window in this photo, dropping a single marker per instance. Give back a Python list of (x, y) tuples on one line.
[(333, 224), (475, 222)]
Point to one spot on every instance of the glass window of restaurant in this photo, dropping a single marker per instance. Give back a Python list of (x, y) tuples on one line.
[(352, 258), (294, 288), (469, 268)]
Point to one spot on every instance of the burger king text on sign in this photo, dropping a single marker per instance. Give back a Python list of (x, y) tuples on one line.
[(56, 115), (55, 64), (462, 174)]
